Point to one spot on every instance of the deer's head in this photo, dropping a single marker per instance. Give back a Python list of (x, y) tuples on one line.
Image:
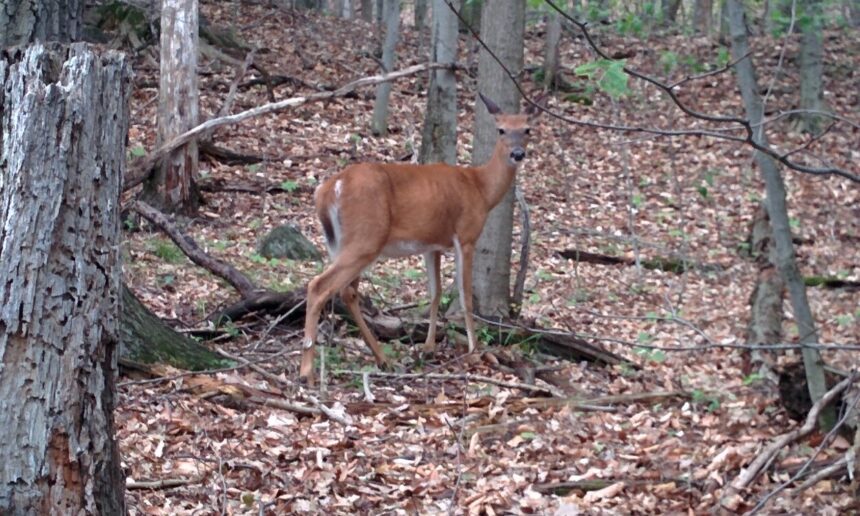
[(513, 130)]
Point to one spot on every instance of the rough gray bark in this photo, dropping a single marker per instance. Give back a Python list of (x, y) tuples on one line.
[(669, 9), (550, 59), (853, 11), (367, 10), (64, 114), (439, 136), (379, 123), (766, 314), (724, 21), (420, 13), (172, 187), (471, 11), (702, 16), (25, 21), (777, 211), (811, 66), (503, 29)]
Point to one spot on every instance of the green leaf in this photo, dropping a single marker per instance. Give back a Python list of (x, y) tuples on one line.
[(636, 201), (614, 81), (528, 436), (590, 69), (752, 378), (290, 185), (138, 152), (703, 191)]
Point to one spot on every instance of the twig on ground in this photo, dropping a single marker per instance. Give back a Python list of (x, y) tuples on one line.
[(456, 376), (823, 473), (824, 442), (165, 483), (730, 498)]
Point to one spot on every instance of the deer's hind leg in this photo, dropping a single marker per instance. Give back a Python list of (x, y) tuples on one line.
[(349, 294), (336, 277)]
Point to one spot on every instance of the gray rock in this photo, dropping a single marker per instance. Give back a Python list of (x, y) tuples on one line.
[(288, 242)]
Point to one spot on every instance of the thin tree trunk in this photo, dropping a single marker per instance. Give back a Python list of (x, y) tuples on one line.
[(421, 14), (367, 10), (778, 212), (724, 21), (59, 260), (702, 16), (503, 29), (765, 324), (853, 8), (439, 136), (172, 188), (669, 9), (471, 12), (26, 21), (811, 67), (551, 50), (379, 124)]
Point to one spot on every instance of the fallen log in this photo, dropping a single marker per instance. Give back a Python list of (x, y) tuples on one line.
[(674, 264)]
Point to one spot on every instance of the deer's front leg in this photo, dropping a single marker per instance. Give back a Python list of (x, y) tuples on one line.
[(465, 255), (432, 260)]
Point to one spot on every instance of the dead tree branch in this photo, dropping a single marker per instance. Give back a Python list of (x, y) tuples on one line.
[(188, 246), (731, 498), (140, 171)]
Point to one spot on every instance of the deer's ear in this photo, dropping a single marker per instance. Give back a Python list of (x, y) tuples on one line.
[(533, 108), (491, 106)]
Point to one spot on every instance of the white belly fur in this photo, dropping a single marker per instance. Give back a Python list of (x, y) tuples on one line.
[(402, 248)]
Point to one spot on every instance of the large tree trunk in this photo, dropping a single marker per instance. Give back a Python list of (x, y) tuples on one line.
[(811, 67), (26, 21), (64, 124), (379, 124), (145, 339), (172, 188), (777, 211), (503, 29), (439, 137)]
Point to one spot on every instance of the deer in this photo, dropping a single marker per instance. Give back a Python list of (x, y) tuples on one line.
[(394, 210)]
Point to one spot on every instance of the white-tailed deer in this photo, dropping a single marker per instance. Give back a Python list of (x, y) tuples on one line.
[(395, 210)]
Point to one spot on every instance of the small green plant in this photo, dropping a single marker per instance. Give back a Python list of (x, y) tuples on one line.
[(608, 74), (752, 378), (844, 319), (137, 152), (290, 185), (166, 250), (710, 400)]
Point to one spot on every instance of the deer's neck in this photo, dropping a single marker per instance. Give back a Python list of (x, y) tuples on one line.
[(496, 176)]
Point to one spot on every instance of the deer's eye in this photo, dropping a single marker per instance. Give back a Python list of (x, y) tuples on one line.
[(528, 130), (501, 131)]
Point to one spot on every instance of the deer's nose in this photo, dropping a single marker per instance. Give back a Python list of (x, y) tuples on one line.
[(518, 154)]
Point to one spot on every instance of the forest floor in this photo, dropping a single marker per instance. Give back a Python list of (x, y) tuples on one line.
[(664, 437)]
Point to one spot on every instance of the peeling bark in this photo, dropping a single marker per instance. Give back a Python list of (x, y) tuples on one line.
[(26, 21), (172, 188), (59, 260)]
